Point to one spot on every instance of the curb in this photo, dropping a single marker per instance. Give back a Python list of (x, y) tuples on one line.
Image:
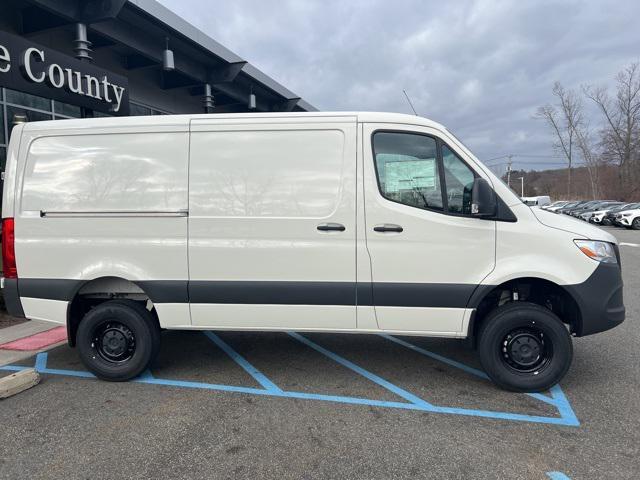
[(18, 382), (20, 334)]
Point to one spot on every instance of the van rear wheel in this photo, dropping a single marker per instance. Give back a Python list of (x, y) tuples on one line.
[(524, 347), (117, 341)]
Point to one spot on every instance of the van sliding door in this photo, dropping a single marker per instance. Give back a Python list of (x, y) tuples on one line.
[(272, 224)]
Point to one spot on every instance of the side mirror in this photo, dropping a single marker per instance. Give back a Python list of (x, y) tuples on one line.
[(483, 199)]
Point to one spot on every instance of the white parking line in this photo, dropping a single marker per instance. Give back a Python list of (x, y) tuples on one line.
[(625, 244)]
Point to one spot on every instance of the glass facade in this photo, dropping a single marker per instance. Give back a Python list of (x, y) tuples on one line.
[(34, 108), (137, 109)]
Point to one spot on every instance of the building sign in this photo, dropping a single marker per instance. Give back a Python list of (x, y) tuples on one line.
[(31, 68)]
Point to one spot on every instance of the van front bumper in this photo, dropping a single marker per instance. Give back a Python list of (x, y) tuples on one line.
[(599, 299)]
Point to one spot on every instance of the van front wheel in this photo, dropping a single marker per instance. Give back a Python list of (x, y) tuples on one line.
[(116, 341), (524, 347)]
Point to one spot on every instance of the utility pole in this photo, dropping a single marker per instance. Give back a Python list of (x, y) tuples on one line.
[(509, 171), (521, 186)]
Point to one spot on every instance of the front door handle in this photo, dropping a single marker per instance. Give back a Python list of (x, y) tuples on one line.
[(388, 227), (331, 227)]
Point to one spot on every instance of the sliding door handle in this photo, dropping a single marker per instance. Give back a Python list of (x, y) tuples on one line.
[(388, 227), (331, 227)]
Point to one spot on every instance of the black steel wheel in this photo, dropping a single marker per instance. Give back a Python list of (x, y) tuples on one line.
[(524, 347), (117, 341), (525, 350), (114, 342)]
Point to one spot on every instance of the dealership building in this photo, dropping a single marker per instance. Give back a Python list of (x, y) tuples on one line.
[(90, 58)]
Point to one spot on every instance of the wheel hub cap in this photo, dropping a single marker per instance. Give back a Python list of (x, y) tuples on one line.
[(525, 350), (114, 342)]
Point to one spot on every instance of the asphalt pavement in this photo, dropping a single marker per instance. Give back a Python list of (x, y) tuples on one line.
[(319, 406)]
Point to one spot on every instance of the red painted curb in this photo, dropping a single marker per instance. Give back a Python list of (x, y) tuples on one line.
[(37, 341)]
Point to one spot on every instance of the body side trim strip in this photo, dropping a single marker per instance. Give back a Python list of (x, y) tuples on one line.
[(429, 295)]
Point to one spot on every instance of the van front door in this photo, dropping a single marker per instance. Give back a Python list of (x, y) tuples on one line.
[(272, 224), (427, 252)]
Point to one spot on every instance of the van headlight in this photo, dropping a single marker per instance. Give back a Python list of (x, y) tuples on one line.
[(600, 251)]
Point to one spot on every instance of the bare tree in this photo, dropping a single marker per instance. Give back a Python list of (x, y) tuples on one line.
[(590, 157), (565, 119), (620, 137)]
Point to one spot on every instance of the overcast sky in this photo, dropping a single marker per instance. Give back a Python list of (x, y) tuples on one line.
[(479, 67)]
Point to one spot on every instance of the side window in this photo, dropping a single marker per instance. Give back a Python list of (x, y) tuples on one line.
[(407, 169), (458, 182)]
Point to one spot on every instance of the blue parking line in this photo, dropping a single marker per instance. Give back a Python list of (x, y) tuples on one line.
[(240, 360), (365, 373), (41, 361), (435, 356), (557, 476), (13, 368), (566, 418), (41, 367), (557, 398)]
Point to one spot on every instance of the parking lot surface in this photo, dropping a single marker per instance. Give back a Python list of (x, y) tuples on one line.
[(288, 405)]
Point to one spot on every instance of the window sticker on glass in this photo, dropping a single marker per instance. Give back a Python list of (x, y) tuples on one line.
[(408, 175)]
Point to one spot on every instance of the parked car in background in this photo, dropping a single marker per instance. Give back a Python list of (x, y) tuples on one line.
[(591, 207), (606, 217), (586, 215), (538, 201), (629, 218), (552, 207), (610, 216), (569, 206), (582, 206)]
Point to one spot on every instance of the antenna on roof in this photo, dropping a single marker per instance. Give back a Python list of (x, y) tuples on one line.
[(409, 100)]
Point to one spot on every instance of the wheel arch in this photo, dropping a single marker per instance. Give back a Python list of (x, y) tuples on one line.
[(538, 290), (91, 293)]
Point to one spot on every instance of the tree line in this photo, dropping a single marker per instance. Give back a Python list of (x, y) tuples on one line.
[(603, 162)]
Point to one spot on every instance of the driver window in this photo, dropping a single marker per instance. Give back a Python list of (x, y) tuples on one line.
[(458, 181), (407, 169)]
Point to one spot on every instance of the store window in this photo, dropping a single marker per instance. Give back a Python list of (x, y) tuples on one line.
[(33, 109), (65, 110), (137, 110)]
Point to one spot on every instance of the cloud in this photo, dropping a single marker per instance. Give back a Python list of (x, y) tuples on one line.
[(479, 67)]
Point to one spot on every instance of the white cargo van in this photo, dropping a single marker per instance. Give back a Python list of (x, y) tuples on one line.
[(331, 222), (538, 201)]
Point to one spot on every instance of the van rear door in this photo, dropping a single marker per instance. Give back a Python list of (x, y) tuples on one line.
[(427, 252), (272, 222)]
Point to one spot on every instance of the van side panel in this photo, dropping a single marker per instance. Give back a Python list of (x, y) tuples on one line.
[(106, 204), (258, 193)]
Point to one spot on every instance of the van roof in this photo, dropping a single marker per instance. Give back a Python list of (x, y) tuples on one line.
[(166, 120)]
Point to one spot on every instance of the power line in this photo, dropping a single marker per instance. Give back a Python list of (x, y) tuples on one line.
[(525, 155)]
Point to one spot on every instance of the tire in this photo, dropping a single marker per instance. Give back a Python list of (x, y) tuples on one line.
[(636, 223), (117, 341), (524, 347), (139, 306), (606, 222)]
